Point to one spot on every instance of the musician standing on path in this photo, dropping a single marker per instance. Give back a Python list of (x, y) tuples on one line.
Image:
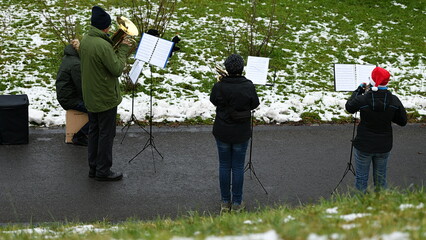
[(234, 97), (373, 142), (100, 67)]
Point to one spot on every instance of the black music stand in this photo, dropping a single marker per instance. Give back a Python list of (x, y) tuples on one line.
[(249, 165), (150, 141), (133, 118), (349, 167), (154, 51)]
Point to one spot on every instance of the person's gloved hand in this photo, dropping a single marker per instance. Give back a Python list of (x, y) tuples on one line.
[(361, 88)]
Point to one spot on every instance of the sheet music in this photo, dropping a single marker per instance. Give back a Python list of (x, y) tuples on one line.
[(257, 69), (344, 77), (154, 50), (161, 53), (146, 47), (363, 73), (136, 71)]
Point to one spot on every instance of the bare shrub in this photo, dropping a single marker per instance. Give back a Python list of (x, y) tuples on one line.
[(256, 35), (61, 20)]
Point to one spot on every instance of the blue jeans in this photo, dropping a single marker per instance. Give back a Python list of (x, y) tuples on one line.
[(362, 163), (231, 160)]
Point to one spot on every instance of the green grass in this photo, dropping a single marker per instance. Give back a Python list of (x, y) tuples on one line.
[(379, 214)]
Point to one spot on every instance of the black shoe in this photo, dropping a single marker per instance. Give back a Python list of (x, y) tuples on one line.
[(80, 139), (112, 176), (92, 173)]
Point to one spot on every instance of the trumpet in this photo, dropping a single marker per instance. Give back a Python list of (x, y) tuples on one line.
[(222, 73), (127, 30)]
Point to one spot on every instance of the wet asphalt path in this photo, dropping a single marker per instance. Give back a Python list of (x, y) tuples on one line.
[(47, 180)]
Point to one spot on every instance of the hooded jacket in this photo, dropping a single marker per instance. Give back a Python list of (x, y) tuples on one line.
[(378, 111), (100, 68), (68, 79), (239, 94)]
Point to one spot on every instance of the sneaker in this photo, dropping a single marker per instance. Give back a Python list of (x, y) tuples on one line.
[(225, 207), (112, 176), (238, 208)]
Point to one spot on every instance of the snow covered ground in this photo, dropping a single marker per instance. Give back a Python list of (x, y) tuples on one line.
[(297, 89)]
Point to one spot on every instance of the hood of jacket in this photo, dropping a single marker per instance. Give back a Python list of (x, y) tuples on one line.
[(70, 50), (94, 32)]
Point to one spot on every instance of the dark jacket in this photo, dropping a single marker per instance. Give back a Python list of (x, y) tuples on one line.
[(100, 67), (68, 80), (233, 94), (378, 110)]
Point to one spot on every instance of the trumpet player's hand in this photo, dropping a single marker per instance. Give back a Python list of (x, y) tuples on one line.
[(361, 88), (75, 44), (128, 42), (219, 78)]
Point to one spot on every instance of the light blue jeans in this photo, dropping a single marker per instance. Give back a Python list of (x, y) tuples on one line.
[(231, 160), (362, 166)]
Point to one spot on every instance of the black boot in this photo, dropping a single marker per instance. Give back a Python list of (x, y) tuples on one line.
[(79, 139)]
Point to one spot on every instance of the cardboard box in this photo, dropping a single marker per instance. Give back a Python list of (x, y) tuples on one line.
[(75, 120)]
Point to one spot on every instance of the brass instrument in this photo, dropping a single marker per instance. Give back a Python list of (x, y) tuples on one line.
[(222, 73), (127, 29)]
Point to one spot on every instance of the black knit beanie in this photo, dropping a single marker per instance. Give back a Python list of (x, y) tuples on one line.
[(234, 64), (100, 19)]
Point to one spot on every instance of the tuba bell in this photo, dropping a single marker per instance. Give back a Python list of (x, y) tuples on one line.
[(222, 73), (127, 29)]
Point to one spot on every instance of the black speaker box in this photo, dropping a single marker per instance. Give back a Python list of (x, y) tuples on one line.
[(14, 119)]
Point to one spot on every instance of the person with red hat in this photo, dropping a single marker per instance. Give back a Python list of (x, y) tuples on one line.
[(373, 143)]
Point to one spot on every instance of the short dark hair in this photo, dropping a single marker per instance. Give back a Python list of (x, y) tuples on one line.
[(234, 64)]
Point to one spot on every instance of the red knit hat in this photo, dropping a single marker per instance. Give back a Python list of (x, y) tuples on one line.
[(380, 76)]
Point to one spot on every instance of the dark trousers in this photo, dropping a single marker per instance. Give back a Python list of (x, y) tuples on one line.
[(101, 138)]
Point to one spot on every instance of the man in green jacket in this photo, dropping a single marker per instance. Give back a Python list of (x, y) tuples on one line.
[(101, 66)]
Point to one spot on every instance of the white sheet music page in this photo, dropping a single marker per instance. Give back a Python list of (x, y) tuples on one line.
[(344, 77), (146, 47), (161, 53), (136, 71), (363, 73), (257, 69)]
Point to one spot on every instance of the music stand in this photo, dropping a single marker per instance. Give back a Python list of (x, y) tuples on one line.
[(349, 167), (150, 141), (257, 72), (132, 117), (249, 165), (154, 51)]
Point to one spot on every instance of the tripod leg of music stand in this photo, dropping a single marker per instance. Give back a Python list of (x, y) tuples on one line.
[(258, 180), (145, 147), (348, 168), (153, 144), (153, 160), (128, 126)]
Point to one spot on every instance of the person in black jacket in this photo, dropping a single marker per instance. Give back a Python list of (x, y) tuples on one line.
[(234, 97), (68, 87), (373, 142)]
